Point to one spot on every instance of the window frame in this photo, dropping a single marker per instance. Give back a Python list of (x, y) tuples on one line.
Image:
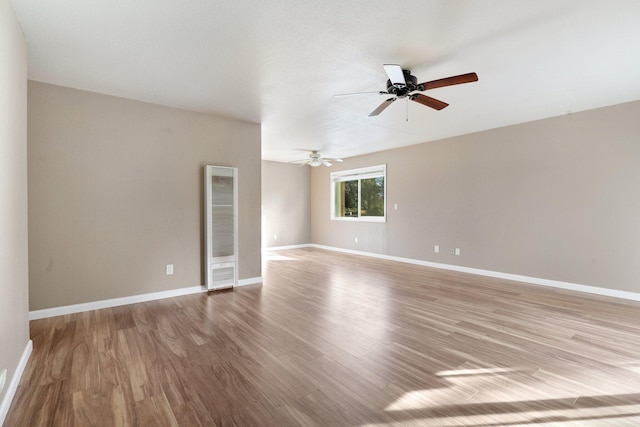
[(358, 174)]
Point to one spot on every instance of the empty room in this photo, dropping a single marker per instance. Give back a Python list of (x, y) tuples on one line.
[(306, 213)]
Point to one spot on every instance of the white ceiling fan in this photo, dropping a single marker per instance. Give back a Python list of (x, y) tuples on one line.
[(315, 159)]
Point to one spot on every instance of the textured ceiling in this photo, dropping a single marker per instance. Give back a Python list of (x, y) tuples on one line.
[(279, 62)]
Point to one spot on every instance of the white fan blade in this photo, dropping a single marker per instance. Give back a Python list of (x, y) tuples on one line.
[(382, 106), (394, 71), (378, 92)]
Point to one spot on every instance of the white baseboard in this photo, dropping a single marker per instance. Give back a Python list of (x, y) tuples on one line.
[(115, 302), (283, 248), (250, 281), (516, 277), (15, 380)]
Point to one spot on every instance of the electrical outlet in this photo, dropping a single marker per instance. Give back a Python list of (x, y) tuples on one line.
[(169, 269), (436, 249), (3, 379), (457, 251), (356, 240), (275, 237)]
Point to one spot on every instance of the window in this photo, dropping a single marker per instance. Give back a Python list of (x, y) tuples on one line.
[(359, 194)]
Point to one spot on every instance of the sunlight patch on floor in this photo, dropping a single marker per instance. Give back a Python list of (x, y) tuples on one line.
[(481, 371), (512, 396), (603, 416), (631, 366), (416, 399), (276, 257), (473, 386)]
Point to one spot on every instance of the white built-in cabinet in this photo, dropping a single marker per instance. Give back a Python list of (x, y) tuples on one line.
[(221, 227)]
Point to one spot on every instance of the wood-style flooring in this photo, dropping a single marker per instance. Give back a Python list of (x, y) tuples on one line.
[(340, 340)]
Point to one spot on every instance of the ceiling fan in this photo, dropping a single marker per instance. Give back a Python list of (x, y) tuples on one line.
[(315, 159), (402, 84)]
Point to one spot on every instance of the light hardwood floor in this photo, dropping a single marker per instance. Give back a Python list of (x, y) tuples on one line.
[(340, 340)]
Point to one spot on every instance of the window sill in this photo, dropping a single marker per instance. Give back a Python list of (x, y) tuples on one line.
[(359, 219)]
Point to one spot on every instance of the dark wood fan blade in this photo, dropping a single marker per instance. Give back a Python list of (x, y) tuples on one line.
[(450, 81), (382, 106), (394, 71), (428, 101)]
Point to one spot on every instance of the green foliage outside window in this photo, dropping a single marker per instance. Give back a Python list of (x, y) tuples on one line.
[(372, 195), (360, 198), (350, 198)]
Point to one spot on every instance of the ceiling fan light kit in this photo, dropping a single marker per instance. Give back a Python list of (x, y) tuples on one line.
[(402, 84), (315, 159)]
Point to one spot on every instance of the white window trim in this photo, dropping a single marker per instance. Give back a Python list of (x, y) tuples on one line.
[(360, 173)]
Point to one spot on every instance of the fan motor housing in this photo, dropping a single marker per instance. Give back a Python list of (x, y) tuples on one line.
[(401, 90)]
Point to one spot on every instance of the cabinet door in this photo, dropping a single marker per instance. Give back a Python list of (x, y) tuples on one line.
[(221, 226)]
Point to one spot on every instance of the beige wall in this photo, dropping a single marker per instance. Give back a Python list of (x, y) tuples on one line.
[(14, 279), (115, 193), (554, 199), (286, 204)]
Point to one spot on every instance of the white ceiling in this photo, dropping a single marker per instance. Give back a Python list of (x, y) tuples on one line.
[(279, 62)]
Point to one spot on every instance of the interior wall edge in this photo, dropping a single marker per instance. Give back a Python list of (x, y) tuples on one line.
[(5, 404), (14, 229)]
